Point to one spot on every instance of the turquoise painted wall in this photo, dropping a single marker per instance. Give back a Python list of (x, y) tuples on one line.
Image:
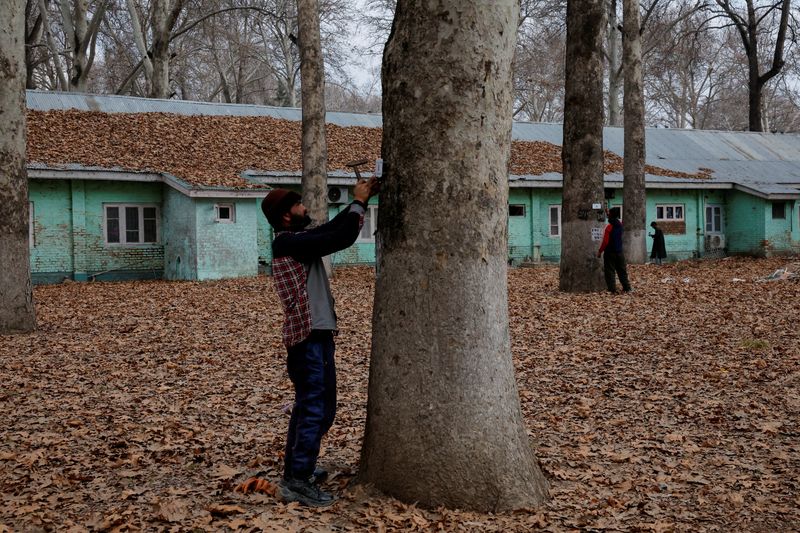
[(68, 221), (92, 254), (780, 235), (51, 255), (546, 246), (226, 249), (179, 236), (745, 217), (520, 228), (679, 245)]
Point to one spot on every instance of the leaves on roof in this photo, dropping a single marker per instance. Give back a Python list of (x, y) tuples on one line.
[(213, 151)]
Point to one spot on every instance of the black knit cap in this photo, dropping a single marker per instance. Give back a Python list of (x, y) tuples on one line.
[(277, 203)]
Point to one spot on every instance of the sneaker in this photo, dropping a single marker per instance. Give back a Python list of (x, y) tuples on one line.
[(319, 475), (305, 492)]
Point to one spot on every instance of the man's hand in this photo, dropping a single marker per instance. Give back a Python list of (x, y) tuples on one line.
[(364, 189), (599, 254)]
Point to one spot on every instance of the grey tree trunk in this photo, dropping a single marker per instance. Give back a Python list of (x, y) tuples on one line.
[(444, 424), (16, 297), (312, 89), (614, 66), (81, 37), (582, 154), (633, 187), (163, 18)]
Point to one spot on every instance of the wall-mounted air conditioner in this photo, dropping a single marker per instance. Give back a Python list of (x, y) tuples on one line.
[(715, 241), (337, 195)]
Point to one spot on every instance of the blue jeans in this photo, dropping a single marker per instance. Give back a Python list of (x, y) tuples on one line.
[(313, 373)]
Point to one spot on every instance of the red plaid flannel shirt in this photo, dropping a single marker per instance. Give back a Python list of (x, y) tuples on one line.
[(290, 282)]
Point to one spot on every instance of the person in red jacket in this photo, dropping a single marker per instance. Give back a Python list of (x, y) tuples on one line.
[(613, 256), (309, 328)]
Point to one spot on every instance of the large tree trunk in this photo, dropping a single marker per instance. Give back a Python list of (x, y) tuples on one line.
[(312, 88), (444, 424), (633, 187), (163, 19), (16, 298), (582, 154), (614, 66)]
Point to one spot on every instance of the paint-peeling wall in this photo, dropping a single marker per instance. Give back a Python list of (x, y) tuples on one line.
[(51, 253), (226, 249), (179, 235), (745, 223)]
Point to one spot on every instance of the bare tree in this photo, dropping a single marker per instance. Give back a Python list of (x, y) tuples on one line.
[(759, 22), (615, 66), (582, 152), (633, 188), (314, 145), (16, 297), (81, 24), (444, 424)]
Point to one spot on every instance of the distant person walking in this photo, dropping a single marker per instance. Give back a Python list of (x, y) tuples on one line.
[(659, 250), (613, 256)]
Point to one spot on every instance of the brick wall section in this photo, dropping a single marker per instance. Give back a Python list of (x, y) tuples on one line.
[(226, 250), (52, 223), (179, 236), (99, 256), (746, 217), (68, 221), (780, 235)]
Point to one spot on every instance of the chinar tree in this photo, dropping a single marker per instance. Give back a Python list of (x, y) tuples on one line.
[(582, 155), (444, 423), (16, 298)]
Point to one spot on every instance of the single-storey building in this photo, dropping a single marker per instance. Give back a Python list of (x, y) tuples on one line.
[(123, 187)]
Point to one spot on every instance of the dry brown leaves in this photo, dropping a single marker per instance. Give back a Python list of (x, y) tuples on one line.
[(214, 150), (142, 406)]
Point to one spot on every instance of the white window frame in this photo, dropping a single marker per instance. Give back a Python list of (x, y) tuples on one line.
[(710, 225), (231, 209), (31, 232), (550, 221), (123, 235), (370, 223), (664, 207), (516, 205)]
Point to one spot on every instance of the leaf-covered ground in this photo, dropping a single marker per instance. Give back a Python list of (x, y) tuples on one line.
[(141, 406)]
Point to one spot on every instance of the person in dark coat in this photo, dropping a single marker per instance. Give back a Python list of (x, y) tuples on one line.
[(613, 256), (659, 250)]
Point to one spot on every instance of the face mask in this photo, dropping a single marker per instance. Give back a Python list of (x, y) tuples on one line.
[(299, 222)]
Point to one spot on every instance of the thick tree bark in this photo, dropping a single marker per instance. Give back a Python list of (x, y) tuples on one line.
[(614, 66), (163, 19), (444, 424), (582, 154), (633, 187), (16, 297), (312, 88)]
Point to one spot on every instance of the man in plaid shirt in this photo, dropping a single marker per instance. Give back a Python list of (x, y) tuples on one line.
[(309, 327)]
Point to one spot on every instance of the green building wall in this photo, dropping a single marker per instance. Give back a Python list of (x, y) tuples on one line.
[(68, 231), (226, 249), (746, 218), (179, 235)]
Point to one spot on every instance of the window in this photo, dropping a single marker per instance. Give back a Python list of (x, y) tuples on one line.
[(778, 210), (31, 233), (713, 219), (370, 225), (225, 213), (131, 224), (669, 212), (555, 221), (516, 210)]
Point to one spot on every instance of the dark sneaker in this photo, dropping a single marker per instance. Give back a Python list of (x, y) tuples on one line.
[(319, 475), (305, 492)]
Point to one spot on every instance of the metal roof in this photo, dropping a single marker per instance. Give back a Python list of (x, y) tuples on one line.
[(762, 163)]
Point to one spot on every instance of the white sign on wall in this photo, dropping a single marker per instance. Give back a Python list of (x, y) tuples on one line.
[(597, 234)]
